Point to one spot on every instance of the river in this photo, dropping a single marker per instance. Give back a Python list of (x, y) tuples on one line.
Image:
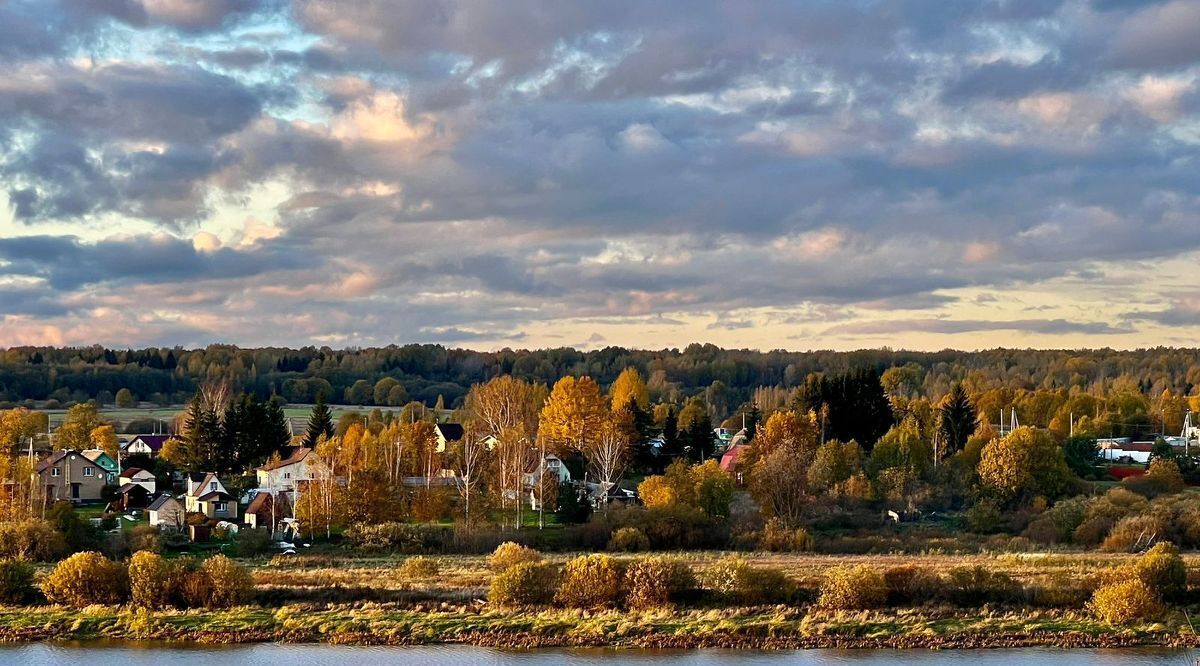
[(158, 654)]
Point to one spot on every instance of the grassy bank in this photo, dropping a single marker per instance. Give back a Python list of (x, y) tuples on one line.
[(762, 627)]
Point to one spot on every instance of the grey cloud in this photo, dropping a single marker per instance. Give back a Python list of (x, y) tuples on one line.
[(951, 326)]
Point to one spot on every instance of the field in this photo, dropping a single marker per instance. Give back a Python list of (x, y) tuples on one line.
[(344, 597)]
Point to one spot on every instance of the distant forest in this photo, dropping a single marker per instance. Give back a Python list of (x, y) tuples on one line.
[(397, 375)]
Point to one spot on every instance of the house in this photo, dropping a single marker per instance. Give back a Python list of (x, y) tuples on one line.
[(139, 476), (67, 475), (148, 445), (553, 465), (167, 513), (447, 433), (600, 495), (207, 495), (267, 509), (104, 460), (132, 496), (301, 464), (732, 458)]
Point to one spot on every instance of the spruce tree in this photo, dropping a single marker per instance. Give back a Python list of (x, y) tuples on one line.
[(320, 422)]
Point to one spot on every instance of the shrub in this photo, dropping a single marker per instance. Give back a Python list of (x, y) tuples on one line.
[(509, 554), (149, 580), (1125, 601), (629, 540), (524, 584), (656, 581), (230, 583), (977, 585), (86, 578), (778, 537), (419, 566), (31, 540), (1167, 473), (984, 518), (911, 585), (590, 581), (1061, 590), (1092, 530), (145, 537), (253, 542), (1132, 533), (853, 588), (1162, 570), (403, 537), (734, 579), (16, 581)]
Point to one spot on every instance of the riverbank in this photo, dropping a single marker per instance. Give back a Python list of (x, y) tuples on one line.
[(476, 624)]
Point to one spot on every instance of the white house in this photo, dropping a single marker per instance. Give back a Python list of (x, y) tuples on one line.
[(447, 433), (140, 477), (206, 494), (148, 445), (167, 513), (281, 476), (553, 465)]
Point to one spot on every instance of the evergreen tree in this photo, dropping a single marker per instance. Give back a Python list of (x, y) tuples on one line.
[(753, 418), (320, 422), (699, 438), (958, 419), (672, 445), (204, 441), (571, 508)]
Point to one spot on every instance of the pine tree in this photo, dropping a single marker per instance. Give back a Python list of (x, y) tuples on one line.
[(320, 423), (672, 446), (958, 419)]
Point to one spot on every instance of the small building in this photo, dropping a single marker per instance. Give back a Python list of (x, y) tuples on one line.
[(167, 513), (446, 434), (132, 496), (149, 445), (553, 465), (301, 464), (139, 476), (267, 509), (68, 475), (731, 458), (101, 458), (207, 495)]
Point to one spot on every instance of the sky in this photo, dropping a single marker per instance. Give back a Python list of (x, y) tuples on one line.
[(915, 174)]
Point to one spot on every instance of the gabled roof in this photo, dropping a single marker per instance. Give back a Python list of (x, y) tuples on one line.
[(262, 504), (451, 432), (214, 495), (729, 461), (57, 457), (201, 486), (153, 442), (130, 487), (95, 455), (298, 454), (129, 473), (162, 499)]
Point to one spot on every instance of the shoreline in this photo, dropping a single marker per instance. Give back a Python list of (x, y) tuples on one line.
[(737, 629)]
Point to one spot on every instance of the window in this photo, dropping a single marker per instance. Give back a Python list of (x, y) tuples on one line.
[(88, 471), (212, 486), (287, 475), (219, 507), (54, 471)]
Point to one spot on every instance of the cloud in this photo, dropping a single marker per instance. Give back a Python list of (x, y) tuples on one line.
[(954, 326)]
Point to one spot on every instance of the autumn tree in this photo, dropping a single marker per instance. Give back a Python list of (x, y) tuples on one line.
[(105, 438), (778, 484), (125, 399), (573, 416), (833, 464), (76, 431), (1024, 464), (608, 453)]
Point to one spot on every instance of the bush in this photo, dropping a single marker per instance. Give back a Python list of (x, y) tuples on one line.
[(734, 579), (778, 537), (145, 537), (402, 537), (976, 585), (853, 588), (524, 584), (1162, 570), (590, 581), (253, 542), (651, 582), (16, 581), (149, 580), (230, 583), (35, 540), (1125, 601), (509, 554), (629, 540), (86, 578), (419, 566), (1133, 533), (911, 585), (984, 518)]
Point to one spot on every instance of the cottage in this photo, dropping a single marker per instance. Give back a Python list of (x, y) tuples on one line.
[(140, 477), (552, 465), (447, 433), (67, 475), (207, 495), (267, 509), (167, 513), (282, 475), (148, 445), (104, 460), (132, 496)]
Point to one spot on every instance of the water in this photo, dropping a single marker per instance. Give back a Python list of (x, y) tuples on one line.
[(158, 654)]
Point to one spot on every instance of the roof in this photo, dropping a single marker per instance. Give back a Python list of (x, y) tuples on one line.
[(730, 460), (131, 471), (201, 481), (214, 495), (95, 454), (153, 442), (130, 487), (451, 432), (262, 504), (162, 499), (57, 456), (298, 454)]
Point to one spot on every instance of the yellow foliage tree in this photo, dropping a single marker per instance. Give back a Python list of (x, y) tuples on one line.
[(1026, 462), (629, 385), (573, 416)]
